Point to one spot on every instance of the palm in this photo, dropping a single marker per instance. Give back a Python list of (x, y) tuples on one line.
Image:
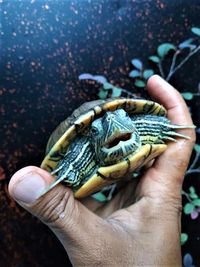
[(154, 181)]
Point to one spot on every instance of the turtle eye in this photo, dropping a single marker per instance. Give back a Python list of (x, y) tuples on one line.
[(94, 130)]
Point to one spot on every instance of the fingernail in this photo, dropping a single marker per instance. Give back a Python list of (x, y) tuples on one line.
[(29, 188)]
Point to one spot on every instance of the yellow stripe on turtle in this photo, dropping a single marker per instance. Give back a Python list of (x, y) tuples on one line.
[(108, 175), (78, 122)]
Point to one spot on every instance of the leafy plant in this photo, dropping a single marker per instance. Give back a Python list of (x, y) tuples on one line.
[(192, 207), (188, 260), (190, 95), (107, 89), (140, 74), (184, 238)]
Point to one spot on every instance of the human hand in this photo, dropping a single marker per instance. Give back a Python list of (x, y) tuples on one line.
[(121, 232)]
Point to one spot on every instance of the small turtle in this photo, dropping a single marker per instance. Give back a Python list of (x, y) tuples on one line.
[(105, 140)]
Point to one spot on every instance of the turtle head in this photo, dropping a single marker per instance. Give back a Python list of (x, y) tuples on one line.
[(114, 137)]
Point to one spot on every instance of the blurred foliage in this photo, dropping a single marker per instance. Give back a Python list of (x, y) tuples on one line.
[(188, 260), (178, 55)]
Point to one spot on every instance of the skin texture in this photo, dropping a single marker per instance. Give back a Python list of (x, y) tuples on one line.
[(140, 226)]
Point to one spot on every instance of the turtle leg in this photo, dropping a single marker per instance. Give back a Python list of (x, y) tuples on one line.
[(77, 163), (155, 129)]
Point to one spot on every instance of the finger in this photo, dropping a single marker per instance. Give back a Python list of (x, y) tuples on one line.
[(177, 112), (168, 170), (170, 98), (66, 217)]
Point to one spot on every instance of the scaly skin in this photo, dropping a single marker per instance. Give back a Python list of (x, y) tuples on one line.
[(110, 140)]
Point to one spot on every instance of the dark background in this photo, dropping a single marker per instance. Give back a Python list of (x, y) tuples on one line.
[(44, 47)]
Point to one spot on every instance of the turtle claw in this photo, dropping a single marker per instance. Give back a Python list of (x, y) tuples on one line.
[(51, 186), (172, 133), (169, 138)]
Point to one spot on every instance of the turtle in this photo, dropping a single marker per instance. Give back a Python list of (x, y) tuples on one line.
[(103, 141)]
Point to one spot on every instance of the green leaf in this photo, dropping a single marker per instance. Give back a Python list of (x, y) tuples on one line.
[(148, 73), (187, 95), (197, 148), (137, 63), (116, 92), (102, 94), (184, 238), (193, 195), (164, 49), (196, 202), (139, 83), (192, 189), (196, 30), (188, 208), (100, 197), (154, 59), (107, 86), (134, 74), (186, 43)]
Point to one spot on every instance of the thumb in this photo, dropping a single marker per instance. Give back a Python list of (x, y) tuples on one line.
[(72, 222)]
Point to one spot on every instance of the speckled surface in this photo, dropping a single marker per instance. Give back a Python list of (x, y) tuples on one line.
[(44, 46)]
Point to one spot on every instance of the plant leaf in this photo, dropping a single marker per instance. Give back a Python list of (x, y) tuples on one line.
[(188, 208), (197, 148), (154, 59), (164, 49), (139, 83), (186, 43), (187, 95), (196, 202), (194, 215), (184, 238), (148, 73), (85, 76), (134, 74), (192, 47), (192, 189), (102, 94), (116, 92), (196, 30), (107, 86), (100, 197), (100, 79), (187, 260), (137, 63), (193, 195)]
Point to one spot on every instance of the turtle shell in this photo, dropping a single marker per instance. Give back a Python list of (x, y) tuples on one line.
[(79, 121)]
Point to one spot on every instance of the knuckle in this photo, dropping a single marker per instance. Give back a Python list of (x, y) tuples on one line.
[(55, 207), (192, 139), (182, 164), (167, 205)]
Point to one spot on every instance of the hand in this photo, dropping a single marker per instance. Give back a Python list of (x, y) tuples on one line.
[(119, 233)]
